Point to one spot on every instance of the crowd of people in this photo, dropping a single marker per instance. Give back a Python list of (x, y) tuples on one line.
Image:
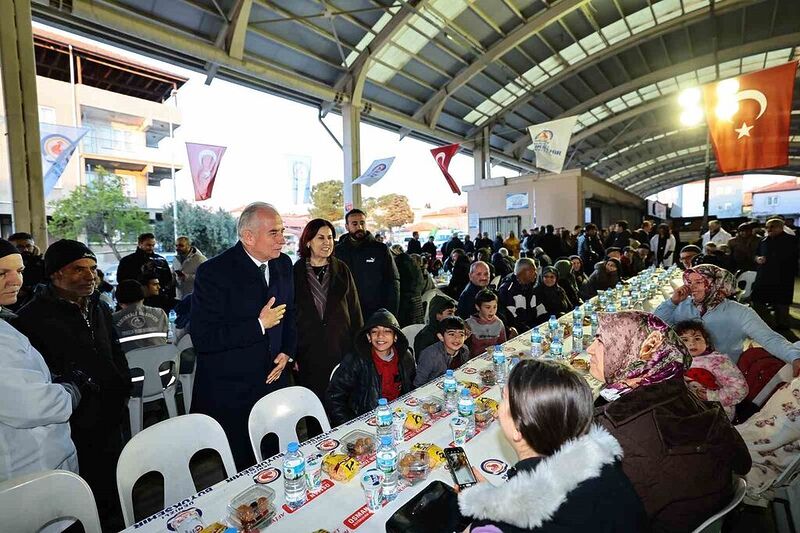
[(659, 438)]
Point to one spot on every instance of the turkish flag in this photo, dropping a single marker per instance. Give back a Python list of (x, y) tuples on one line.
[(443, 155), (204, 160), (757, 135)]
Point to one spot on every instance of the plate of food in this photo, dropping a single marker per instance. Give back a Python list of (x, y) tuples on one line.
[(358, 444), (431, 406)]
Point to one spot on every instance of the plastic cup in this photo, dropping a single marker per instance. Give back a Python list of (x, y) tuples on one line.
[(372, 483), (313, 472), (459, 426)]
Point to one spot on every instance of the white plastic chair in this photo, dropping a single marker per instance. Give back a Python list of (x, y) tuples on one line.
[(745, 282), (784, 375), (333, 372), (496, 281), (149, 360), (167, 448), (426, 300), (278, 412), (28, 503), (186, 378), (411, 332), (714, 524)]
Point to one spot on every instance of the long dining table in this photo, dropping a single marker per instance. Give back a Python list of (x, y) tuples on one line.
[(341, 506)]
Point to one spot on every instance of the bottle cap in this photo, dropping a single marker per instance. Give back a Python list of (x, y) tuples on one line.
[(386, 440), (292, 447), (465, 392), (449, 372), (382, 401)]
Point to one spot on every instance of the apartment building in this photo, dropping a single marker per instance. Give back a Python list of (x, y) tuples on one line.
[(125, 105)]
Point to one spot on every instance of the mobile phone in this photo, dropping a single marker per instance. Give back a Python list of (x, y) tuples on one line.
[(460, 467)]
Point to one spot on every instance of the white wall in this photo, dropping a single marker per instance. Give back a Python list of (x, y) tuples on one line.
[(788, 203)]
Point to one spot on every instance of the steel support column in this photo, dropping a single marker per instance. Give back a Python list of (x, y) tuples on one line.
[(22, 118), (351, 129), (481, 158)]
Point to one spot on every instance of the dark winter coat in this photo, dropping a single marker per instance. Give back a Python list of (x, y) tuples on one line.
[(429, 248), (591, 250), (57, 328), (679, 452), (519, 306), (453, 244), (427, 335), (234, 355), (323, 341), (775, 279), (411, 284), (356, 386), (459, 278), (374, 272), (133, 266), (552, 245), (483, 243), (414, 246), (579, 488)]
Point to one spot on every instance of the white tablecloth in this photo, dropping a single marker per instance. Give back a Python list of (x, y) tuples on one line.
[(341, 506)]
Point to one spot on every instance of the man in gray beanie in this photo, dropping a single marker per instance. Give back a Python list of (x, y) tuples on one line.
[(34, 411), (69, 326)]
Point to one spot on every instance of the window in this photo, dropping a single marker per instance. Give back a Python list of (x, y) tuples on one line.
[(47, 114), (772, 200)]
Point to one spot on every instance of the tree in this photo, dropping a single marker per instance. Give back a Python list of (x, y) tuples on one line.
[(327, 200), (101, 210), (390, 210), (210, 231)]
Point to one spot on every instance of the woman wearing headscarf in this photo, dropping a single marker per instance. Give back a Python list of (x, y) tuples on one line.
[(704, 297), (581, 279), (679, 452), (501, 266), (663, 246), (327, 307), (550, 294), (566, 280), (606, 275)]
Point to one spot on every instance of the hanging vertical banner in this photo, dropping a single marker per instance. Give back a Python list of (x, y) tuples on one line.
[(443, 155), (58, 145), (204, 160), (550, 142), (375, 172), (300, 178)]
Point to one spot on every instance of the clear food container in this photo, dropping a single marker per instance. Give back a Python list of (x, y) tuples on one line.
[(414, 466), (252, 508)]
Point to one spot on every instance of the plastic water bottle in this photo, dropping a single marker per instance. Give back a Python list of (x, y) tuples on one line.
[(611, 308), (450, 390), (595, 324), (294, 483), (553, 325), (577, 338), (171, 330), (386, 460), (577, 313), (499, 360), (556, 349), (536, 343), (466, 409), (384, 417)]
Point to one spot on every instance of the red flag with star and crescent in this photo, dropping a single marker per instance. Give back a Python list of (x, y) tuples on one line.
[(757, 135), (443, 155)]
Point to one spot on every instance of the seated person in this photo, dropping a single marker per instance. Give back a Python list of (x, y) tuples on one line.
[(105, 289), (550, 294), (380, 366), (448, 352), (605, 276), (152, 289), (486, 329), (704, 297), (712, 377), (568, 475), (680, 453), (520, 306), (687, 255), (566, 280), (645, 256), (439, 308), (614, 253), (577, 270), (136, 324), (773, 438), (34, 411)]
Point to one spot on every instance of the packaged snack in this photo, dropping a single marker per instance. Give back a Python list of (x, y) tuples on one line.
[(487, 402), (435, 453), (414, 466), (252, 508), (216, 527), (340, 467), (414, 421), (474, 388)]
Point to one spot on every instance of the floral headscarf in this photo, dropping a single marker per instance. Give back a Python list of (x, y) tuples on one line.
[(640, 350), (719, 285)]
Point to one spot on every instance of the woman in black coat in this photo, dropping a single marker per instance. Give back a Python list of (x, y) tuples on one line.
[(568, 477), (327, 307)]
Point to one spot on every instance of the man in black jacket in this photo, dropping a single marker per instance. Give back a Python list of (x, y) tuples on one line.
[(144, 260), (777, 268), (414, 246), (371, 264), (484, 241), (73, 331), (429, 247), (590, 248), (621, 236), (551, 243), (380, 366), (34, 267)]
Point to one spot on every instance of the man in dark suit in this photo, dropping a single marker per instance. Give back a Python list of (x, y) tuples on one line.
[(243, 326)]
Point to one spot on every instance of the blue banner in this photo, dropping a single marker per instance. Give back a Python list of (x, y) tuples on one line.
[(58, 145)]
